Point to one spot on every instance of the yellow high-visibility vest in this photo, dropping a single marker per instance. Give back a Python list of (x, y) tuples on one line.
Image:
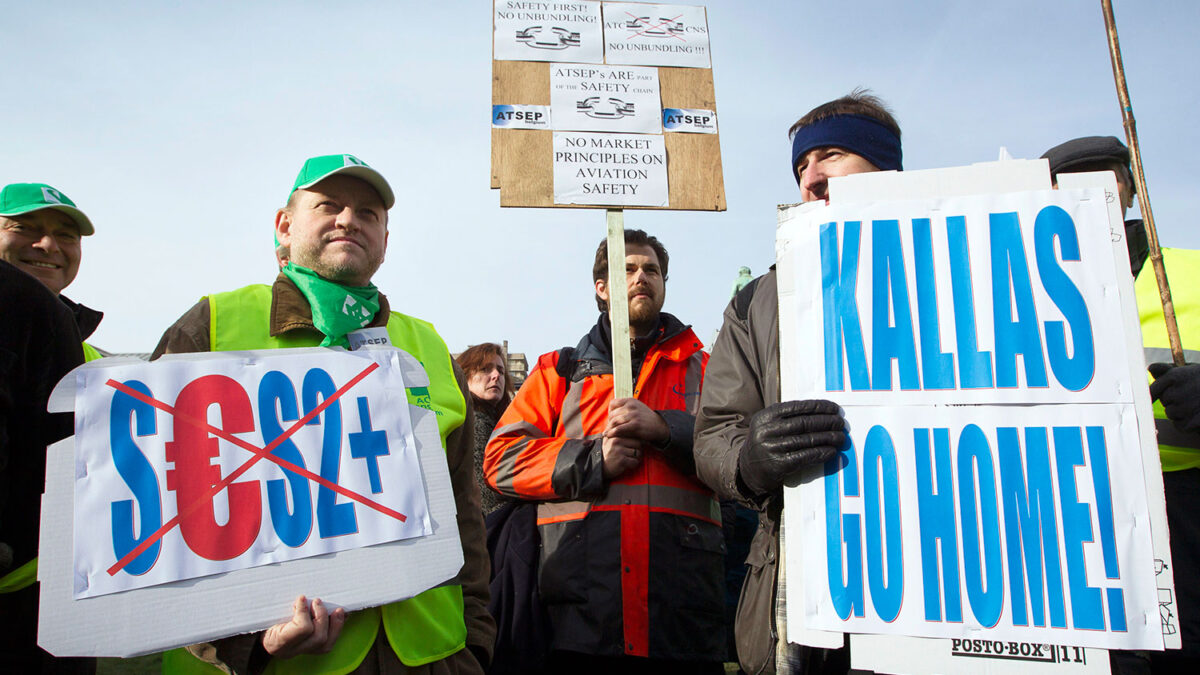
[(1177, 449)]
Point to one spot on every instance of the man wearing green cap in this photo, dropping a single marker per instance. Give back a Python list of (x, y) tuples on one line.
[(40, 234), (332, 234), (40, 231)]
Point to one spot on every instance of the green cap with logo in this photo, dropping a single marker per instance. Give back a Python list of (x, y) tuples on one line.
[(21, 198), (318, 169)]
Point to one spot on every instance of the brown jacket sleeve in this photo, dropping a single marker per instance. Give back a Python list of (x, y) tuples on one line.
[(188, 335), (476, 571)]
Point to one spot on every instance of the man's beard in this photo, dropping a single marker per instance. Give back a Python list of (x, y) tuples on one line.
[(347, 272), (644, 315)]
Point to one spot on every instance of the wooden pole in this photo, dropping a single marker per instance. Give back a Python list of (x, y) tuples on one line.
[(1135, 154), (618, 305)]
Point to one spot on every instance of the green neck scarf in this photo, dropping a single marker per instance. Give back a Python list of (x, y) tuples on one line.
[(336, 309)]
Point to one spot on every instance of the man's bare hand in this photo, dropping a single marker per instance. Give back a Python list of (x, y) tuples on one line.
[(620, 455), (630, 418), (312, 630)]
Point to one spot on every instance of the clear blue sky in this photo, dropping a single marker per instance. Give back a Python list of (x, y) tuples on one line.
[(179, 127)]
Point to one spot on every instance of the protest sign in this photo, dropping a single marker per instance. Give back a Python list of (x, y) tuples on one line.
[(616, 169), (547, 31), (656, 35), (1024, 545), (145, 451), (531, 97), (324, 481), (605, 98)]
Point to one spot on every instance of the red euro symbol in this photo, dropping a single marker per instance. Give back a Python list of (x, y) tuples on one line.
[(205, 498), (195, 475)]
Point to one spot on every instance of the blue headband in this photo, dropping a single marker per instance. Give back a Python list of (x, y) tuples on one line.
[(859, 134)]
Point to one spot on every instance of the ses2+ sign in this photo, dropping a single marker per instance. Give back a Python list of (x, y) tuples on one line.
[(191, 468)]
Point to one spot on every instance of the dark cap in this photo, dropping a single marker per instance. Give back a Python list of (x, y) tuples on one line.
[(1086, 150)]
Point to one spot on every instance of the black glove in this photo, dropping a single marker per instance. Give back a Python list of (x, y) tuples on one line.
[(786, 437), (1178, 389)]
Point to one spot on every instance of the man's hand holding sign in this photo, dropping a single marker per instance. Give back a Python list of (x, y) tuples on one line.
[(1178, 389), (312, 630), (785, 438)]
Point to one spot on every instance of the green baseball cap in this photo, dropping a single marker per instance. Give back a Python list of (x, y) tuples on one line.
[(318, 169), (21, 198)]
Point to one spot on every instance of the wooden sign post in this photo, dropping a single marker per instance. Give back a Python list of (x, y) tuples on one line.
[(618, 305), (1143, 192), (605, 105)]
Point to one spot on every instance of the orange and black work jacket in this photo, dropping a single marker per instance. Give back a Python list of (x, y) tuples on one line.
[(628, 567)]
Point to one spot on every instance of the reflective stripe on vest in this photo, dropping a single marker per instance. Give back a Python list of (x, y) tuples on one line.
[(1177, 449), (22, 577), (431, 625), (660, 498), (90, 353)]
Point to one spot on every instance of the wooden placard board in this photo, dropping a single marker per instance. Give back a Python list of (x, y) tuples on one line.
[(522, 159)]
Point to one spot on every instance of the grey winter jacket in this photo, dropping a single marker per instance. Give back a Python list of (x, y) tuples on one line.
[(743, 378)]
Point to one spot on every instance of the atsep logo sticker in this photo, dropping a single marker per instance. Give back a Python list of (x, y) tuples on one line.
[(690, 120), (521, 116), (187, 468)]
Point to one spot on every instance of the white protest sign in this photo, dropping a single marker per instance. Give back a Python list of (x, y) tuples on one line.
[(605, 98), (150, 456), (610, 169), (656, 35), (547, 31), (249, 598), (1007, 511)]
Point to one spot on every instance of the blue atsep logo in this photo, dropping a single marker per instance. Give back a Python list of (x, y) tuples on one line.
[(682, 119), (522, 117)]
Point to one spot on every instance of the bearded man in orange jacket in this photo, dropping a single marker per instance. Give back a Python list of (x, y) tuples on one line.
[(631, 567)]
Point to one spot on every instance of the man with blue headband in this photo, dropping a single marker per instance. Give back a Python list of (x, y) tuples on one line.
[(748, 441), (854, 134)]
